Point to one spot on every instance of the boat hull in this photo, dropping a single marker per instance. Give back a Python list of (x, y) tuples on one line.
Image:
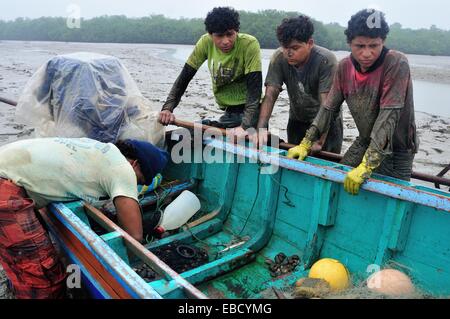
[(266, 204)]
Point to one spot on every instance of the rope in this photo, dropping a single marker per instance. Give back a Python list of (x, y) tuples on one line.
[(254, 201), (159, 203)]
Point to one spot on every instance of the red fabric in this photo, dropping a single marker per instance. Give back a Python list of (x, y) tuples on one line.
[(26, 252), (361, 78), (385, 88)]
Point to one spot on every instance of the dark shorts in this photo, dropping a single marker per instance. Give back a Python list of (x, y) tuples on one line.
[(398, 165), (27, 255), (231, 119), (296, 131)]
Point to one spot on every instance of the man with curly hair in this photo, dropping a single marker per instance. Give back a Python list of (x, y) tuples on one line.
[(377, 86), (307, 70), (234, 61)]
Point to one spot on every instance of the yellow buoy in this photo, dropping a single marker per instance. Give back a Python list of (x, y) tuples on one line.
[(333, 272), (391, 282)]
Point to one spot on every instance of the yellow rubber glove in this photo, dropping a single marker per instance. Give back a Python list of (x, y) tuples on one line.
[(356, 177), (300, 151)]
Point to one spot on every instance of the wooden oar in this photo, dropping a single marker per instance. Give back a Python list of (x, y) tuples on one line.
[(204, 219), (284, 146), (8, 101), (144, 254), (441, 174)]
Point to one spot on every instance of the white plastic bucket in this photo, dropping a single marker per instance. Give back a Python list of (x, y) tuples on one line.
[(180, 211)]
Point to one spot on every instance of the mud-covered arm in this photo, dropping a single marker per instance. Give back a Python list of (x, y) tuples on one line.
[(382, 137), (253, 79), (327, 73), (270, 97), (274, 86), (252, 105), (179, 87), (321, 124), (329, 106), (379, 148), (254, 92), (393, 96), (323, 136)]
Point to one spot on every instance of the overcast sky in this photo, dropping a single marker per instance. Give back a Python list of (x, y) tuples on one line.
[(410, 13)]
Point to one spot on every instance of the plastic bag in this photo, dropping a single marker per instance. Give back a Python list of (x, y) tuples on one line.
[(88, 95)]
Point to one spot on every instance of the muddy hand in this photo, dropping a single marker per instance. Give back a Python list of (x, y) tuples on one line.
[(238, 133), (261, 138), (166, 117)]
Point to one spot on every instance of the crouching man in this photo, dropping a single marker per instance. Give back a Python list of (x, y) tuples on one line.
[(34, 173)]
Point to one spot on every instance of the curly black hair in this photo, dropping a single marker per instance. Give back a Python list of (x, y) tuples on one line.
[(300, 28), (367, 23), (222, 19)]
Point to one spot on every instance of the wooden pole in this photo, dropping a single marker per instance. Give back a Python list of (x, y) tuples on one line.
[(438, 180)]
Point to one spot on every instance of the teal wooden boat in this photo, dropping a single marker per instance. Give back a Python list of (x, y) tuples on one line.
[(249, 216)]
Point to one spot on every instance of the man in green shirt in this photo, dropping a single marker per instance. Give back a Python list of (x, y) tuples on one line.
[(307, 70), (234, 61)]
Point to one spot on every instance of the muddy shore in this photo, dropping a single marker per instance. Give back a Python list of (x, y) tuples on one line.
[(155, 67)]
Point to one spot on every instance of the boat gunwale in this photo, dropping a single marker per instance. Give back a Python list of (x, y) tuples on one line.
[(137, 287), (401, 192)]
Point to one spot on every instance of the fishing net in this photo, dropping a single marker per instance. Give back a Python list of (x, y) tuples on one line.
[(361, 291), (88, 95), (358, 290), (311, 288), (179, 257)]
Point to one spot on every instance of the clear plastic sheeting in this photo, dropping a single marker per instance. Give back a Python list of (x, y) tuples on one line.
[(88, 95)]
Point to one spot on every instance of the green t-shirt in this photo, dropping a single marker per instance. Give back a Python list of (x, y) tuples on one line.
[(228, 70)]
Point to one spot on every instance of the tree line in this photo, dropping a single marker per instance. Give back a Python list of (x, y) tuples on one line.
[(160, 29)]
